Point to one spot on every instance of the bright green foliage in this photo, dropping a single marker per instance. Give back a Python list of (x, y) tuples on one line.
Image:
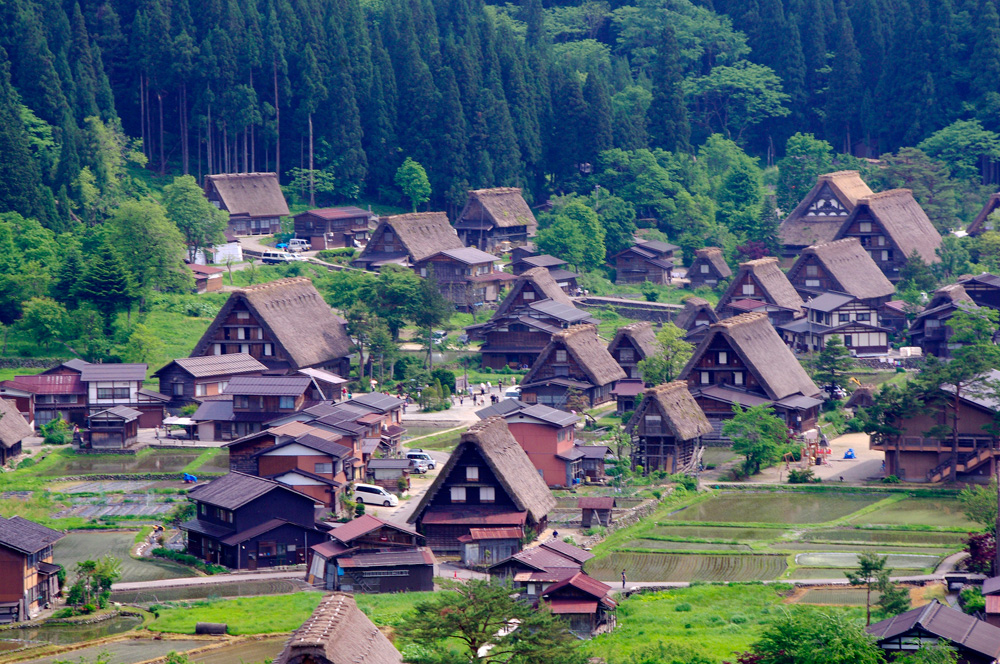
[(673, 353), (963, 145), (142, 346), (757, 434), (201, 223), (150, 245), (107, 285), (813, 637), (668, 117), (617, 218), (44, 319), (732, 99), (873, 574), (930, 181), (575, 234), (806, 157), (940, 653), (979, 503), (411, 178)]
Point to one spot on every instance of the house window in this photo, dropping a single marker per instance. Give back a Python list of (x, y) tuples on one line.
[(423, 272), (562, 371), (529, 295), (458, 494), (748, 289), (560, 356), (202, 509), (704, 268), (245, 348), (706, 378), (268, 350), (216, 349), (241, 401), (881, 240), (286, 403), (472, 473), (931, 322), (242, 315), (323, 469), (179, 389), (626, 354), (848, 340), (812, 271), (199, 390), (864, 317), (865, 227), (653, 423), (887, 254), (112, 393), (737, 378), (241, 333), (812, 283), (487, 494), (844, 318), (723, 358)]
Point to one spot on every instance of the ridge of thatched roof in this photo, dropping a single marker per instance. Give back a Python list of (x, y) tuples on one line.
[(13, 427), (693, 306), (641, 335), (592, 356), (713, 256), (903, 220), (978, 224), (340, 633), (502, 206), (802, 228), (294, 315), (251, 194), (850, 267), (508, 461), (422, 234), (762, 351), (680, 411), (778, 290), (542, 282)]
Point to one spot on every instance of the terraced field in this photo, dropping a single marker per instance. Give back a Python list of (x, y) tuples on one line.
[(205, 591), (686, 567), (818, 573), (878, 548), (733, 533), (896, 561), (886, 536), (942, 513), (837, 596), (775, 507), (684, 546)]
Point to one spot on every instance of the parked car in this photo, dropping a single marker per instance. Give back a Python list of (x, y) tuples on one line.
[(418, 466), (276, 257), (297, 257), (299, 244), (512, 392), (419, 455), (371, 494)]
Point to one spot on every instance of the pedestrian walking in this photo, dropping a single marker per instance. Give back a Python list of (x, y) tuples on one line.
[(623, 579)]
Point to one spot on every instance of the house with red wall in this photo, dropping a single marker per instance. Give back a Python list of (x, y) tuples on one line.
[(548, 437)]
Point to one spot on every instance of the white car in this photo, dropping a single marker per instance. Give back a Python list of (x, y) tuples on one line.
[(371, 494), (299, 244)]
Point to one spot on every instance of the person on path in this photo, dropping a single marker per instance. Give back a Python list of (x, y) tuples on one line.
[(623, 579)]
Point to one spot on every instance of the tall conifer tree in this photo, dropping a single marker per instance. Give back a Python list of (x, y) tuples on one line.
[(668, 123)]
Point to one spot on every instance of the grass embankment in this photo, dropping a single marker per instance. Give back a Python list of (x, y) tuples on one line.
[(245, 615)]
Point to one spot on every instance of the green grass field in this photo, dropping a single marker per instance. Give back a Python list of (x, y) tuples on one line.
[(686, 567), (937, 512), (79, 546), (246, 615), (775, 507)]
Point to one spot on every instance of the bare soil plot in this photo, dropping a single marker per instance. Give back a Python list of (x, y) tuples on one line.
[(775, 507), (686, 567)]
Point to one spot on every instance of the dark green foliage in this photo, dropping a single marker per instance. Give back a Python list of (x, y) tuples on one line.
[(107, 285), (667, 119)]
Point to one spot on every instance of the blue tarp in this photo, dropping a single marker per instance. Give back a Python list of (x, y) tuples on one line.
[(849, 454)]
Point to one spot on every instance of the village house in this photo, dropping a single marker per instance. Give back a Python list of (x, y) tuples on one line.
[(191, 378), (584, 602), (552, 559), (389, 474), (495, 219), (285, 324), (761, 286), (983, 222), (575, 362), (407, 239), (891, 226), (893, 315), (46, 397), (983, 289), (467, 277), (821, 212), (844, 316), (695, 318), (709, 268), (534, 309), (243, 452), (312, 464), (228, 251), (922, 450), (115, 428), (13, 430), (742, 361), (28, 576), (842, 266), (974, 641), (627, 392), (646, 260), (110, 385), (338, 632), (249, 402), (331, 228), (370, 555), (253, 200), (666, 429), (991, 593), (565, 279), (247, 522), (207, 279), (930, 330), (488, 482), (632, 344)]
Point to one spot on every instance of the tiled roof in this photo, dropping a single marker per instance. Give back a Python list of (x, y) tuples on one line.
[(283, 386), (217, 365), (94, 373), (235, 489)]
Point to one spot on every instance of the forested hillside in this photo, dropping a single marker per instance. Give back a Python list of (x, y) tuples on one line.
[(479, 94)]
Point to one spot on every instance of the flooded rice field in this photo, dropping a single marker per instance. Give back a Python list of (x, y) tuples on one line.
[(127, 651), (15, 639), (162, 461), (79, 546)]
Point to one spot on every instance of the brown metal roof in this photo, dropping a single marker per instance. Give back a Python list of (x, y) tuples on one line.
[(26, 536), (217, 365), (276, 386), (961, 630), (363, 525), (93, 373), (416, 556), (596, 502), (48, 384)]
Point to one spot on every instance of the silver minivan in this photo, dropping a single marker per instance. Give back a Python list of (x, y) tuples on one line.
[(420, 455), (370, 494)]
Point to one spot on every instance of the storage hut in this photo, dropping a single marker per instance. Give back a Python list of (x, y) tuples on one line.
[(597, 509)]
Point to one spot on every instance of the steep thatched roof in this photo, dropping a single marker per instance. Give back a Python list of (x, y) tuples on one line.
[(902, 219), (584, 346), (775, 286), (294, 314), (338, 632), (538, 279), (422, 234), (762, 351), (712, 256), (13, 427), (979, 224), (641, 335), (849, 266), (693, 306), (251, 194), (508, 461), (862, 397), (678, 409), (818, 216), (502, 207)]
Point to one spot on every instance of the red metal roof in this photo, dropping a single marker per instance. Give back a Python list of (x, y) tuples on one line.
[(562, 606), (48, 384), (747, 305), (472, 517), (205, 270), (596, 502), (581, 581), (363, 525), (495, 533), (993, 604), (329, 549), (339, 213)]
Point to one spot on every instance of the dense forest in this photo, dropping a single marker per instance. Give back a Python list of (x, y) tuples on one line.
[(480, 95)]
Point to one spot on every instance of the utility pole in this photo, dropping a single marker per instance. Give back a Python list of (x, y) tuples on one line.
[(996, 532)]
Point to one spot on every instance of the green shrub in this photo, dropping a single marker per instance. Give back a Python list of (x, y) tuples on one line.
[(684, 606), (26, 463), (891, 479), (56, 432), (972, 600), (801, 476), (688, 482), (187, 559), (738, 619)]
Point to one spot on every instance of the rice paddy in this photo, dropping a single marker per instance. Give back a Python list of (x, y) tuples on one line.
[(953, 540), (731, 533), (681, 567), (668, 545), (837, 596), (79, 546), (157, 461), (896, 561), (775, 507), (937, 512), (248, 588)]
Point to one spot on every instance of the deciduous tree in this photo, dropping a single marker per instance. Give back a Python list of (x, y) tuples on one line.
[(202, 224), (672, 354), (757, 434), (411, 178)]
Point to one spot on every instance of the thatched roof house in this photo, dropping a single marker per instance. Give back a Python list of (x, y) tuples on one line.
[(575, 359), (708, 268), (742, 360), (633, 343), (285, 324), (695, 318), (842, 266), (406, 239), (929, 329), (493, 216), (13, 430), (760, 285), (863, 397), (254, 201), (488, 482), (667, 428), (819, 215), (982, 223), (338, 632)]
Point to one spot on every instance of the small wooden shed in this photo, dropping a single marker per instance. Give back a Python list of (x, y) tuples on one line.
[(387, 472), (597, 509), (485, 546), (115, 428)]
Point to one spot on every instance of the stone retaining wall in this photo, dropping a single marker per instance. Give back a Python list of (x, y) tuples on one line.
[(629, 518), (29, 362), (657, 312)]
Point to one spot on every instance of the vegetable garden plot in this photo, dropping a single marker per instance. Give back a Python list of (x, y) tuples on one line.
[(886, 536), (939, 512), (686, 567), (684, 546), (107, 486), (774, 507), (847, 559), (733, 533)]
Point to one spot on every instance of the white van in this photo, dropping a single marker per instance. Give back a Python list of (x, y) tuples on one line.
[(370, 494), (420, 455), (275, 257), (299, 244)]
